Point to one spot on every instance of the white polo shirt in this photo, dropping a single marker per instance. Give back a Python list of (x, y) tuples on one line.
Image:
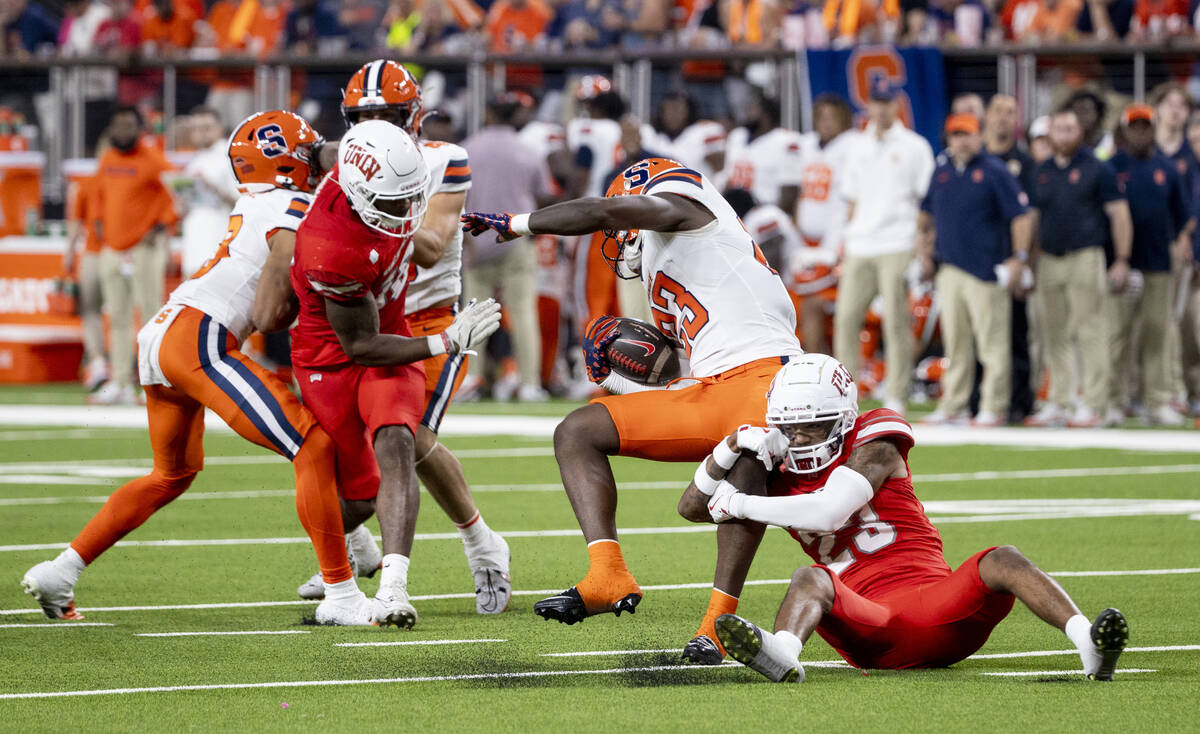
[(885, 178)]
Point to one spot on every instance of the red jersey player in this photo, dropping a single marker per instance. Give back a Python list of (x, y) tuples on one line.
[(357, 363), (881, 593)]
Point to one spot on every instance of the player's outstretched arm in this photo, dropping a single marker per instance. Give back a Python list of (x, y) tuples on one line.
[(657, 212), (275, 304), (356, 323)]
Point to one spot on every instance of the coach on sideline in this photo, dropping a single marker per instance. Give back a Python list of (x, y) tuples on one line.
[(975, 221)]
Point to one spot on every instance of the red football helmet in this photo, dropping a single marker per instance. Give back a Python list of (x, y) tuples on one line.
[(382, 85), (274, 149), (634, 180)]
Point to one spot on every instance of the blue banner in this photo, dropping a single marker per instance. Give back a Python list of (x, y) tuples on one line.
[(919, 71)]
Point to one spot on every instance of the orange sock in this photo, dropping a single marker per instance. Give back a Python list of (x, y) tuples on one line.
[(608, 579), (718, 603), (125, 510), (317, 505)]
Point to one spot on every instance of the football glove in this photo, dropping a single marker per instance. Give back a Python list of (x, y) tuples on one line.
[(479, 222), (599, 334), (472, 326), (768, 445), (720, 504)]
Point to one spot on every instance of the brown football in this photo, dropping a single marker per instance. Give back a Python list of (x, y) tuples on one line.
[(643, 354)]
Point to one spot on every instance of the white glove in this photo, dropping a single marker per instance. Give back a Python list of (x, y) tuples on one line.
[(472, 326), (720, 504), (768, 445)]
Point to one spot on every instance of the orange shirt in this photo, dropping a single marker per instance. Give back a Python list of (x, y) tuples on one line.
[(505, 21), (1052, 24), (178, 32), (84, 207), (133, 198)]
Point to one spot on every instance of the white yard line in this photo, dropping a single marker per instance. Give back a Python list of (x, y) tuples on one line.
[(55, 625), (359, 682), (236, 633), (408, 643), (1076, 672), (1050, 653)]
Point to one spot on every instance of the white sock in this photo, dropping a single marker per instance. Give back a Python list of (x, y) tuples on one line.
[(791, 642), (474, 533), (71, 564), (1079, 630), (342, 589), (395, 570)]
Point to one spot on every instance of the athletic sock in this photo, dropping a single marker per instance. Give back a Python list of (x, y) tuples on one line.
[(475, 533), (1079, 630), (608, 579), (71, 564), (341, 590), (718, 603), (791, 642), (395, 571)]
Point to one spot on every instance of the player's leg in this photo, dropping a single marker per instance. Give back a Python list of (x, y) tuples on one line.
[(737, 542), (1099, 642), (176, 436)]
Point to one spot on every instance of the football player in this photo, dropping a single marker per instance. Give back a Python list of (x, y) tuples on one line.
[(677, 131), (354, 354), (881, 593), (711, 290), (385, 90), (189, 360), (763, 157)]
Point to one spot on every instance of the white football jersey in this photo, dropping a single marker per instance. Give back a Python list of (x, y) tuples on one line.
[(542, 138), (224, 286), (710, 288), (768, 221), (691, 147), (601, 139), (764, 165), (821, 213), (449, 172)]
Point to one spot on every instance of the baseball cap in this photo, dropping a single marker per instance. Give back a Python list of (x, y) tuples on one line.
[(1039, 128), (962, 123), (882, 90), (1138, 112)]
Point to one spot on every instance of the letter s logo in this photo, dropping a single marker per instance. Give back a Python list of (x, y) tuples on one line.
[(271, 141)]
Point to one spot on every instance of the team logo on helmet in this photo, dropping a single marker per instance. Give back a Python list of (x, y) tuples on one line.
[(361, 159), (274, 149)]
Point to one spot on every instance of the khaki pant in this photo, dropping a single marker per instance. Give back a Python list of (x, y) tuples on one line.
[(514, 276), (1189, 332), (863, 278), (1151, 311), (976, 318), (1071, 293), (129, 278), (90, 303)]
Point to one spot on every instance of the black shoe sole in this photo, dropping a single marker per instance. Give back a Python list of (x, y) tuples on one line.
[(1110, 634), (702, 651), (568, 607)]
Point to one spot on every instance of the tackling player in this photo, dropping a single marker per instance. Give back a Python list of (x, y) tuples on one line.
[(712, 291), (354, 356), (385, 90), (881, 593), (189, 360)]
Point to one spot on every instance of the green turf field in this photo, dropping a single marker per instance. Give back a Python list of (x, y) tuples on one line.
[(1129, 514)]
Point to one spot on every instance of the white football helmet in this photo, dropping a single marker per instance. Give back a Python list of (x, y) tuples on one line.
[(817, 390), (383, 174)]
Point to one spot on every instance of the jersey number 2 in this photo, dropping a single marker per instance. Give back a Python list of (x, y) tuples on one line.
[(235, 226), (872, 535)]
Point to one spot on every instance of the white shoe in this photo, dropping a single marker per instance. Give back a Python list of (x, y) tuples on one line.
[(986, 419), (95, 374), (489, 568), (314, 588), (758, 649), (364, 553), (113, 393), (505, 388), (894, 405), (1049, 416), (1085, 418), (352, 611), (392, 607), (1165, 415), (532, 394), (939, 418), (1113, 417), (51, 588), (470, 391)]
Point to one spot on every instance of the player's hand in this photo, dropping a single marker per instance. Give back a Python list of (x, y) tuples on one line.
[(599, 334), (768, 445), (479, 222), (720, 503), (473, 325)]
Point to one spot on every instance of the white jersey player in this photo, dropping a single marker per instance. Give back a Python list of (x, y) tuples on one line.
[(441, 283), (764, 164), (595, 141), (821, 214), (677, 134)]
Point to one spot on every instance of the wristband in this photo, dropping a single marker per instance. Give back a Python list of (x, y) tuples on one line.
[(519, 224), (724, 456), (438, 344), (706, 484), (1022, 256)]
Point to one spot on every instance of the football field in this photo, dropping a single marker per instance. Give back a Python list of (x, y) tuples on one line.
[(193, 623)]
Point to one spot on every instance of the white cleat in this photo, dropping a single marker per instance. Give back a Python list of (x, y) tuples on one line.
[(364, 552), (51, 588), (352, 611), (489, 569), (314, 588), (393, 609), (758, 649)]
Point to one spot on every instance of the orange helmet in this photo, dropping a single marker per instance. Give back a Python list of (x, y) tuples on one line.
[(592, 85), (623, 247), (274, 149), (383, 85)]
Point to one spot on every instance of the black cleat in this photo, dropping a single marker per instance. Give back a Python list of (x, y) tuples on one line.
[(568, 607), (1110, 634), (702, 651)]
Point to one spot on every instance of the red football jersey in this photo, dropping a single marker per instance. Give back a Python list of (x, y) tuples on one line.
[(890, 542), (340, 258)]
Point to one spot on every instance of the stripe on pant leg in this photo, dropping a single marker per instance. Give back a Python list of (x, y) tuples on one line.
[(211, 350), (260, 388), (440, 400)]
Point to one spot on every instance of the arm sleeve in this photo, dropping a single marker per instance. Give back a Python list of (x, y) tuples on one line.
[(1107, 183), (822, 511), (1012, 200), (457, 175), (1177, 204)]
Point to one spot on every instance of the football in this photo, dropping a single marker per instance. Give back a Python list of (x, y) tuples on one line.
[(643, 354)]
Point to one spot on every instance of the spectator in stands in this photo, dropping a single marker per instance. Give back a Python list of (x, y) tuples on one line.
[(1000, 136), (648, 22), (763, 157), (83, 213), (28, 29), (514, 25), (169, 29), (119, 36), (1105, 20), (312, 27), (848, 21), (1090, 109), (1159, 210), (134, 206), (968, 103), (888, 169), (1155, 20), (242, 27), (360, 19), (752, 23), (507, 176), (213, 190), (1079, 202), (587, 24), (975, 223), (1044, 21)]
